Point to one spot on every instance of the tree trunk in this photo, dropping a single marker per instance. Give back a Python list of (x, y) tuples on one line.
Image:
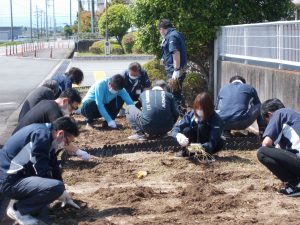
[(211, 69)]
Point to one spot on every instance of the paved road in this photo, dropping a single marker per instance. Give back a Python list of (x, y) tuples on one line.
[(18, 76), (28, 48)]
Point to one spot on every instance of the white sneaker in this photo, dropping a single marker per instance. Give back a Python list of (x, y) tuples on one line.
[(137, 137), (21, 219)]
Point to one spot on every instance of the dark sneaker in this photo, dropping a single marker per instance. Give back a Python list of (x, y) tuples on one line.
[(290, 191), (104, 124), (181, 154)]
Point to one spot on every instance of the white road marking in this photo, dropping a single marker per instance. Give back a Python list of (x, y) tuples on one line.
[(7, 103)]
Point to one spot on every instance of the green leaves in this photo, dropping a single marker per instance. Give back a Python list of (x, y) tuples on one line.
[(198, 21), (118, 21)]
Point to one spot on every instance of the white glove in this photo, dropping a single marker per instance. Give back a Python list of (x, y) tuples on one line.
[(83, 155), (112, 124), (176, 74), (65, 198), (182, 139)]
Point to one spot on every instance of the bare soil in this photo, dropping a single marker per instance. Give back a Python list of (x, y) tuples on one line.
[(235, 189)]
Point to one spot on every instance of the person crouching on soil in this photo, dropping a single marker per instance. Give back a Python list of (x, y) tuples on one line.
[(202, 125), (105, 99), (283, 130), (29, 171), (158, 115)]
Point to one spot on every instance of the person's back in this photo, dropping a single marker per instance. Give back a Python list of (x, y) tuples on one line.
[(63, 81), (159, 111), (40, 93), (234, 100), (18, 144), (45, 111), (284, 129)]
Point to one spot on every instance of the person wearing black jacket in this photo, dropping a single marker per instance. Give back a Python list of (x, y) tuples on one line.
[(47, 111), (47, 91), (29, 171), (158, 115), (202, 125)]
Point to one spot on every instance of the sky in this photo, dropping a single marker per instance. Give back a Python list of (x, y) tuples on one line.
[(21, 11)]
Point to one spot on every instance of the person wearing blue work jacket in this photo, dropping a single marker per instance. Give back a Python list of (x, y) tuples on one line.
[(30, 173), (136, 80), (202, 125), (105, 99), (65, 81), (174, 57), (239, 105)]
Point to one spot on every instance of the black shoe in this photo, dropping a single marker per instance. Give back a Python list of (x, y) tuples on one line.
[(290, 191), (181, 153), (104, 124)]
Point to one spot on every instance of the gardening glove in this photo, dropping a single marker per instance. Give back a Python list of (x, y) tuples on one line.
[(83, 155), (182, 139), (65, 198), (176, 74), (112, 124)]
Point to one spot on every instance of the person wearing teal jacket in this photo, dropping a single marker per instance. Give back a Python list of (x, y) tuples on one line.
[(104, 99)]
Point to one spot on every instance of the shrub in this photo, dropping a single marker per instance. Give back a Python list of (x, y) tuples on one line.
[(192, 86), (155, 70), (128, 42), (116, 49), (98, 48), (137, 49)]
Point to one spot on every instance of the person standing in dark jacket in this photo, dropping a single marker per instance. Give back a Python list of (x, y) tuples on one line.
[(239, 105), (136, 80), (174, 57), (29, 172), (65, 81), (202, 125), (47, 91), (158, 115)]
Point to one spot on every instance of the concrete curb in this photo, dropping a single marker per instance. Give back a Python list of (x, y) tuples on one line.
[(113, 57)]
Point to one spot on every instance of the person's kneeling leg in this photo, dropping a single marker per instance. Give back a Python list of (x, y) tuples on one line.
[(133, 116), (90, 111), (34, 193)]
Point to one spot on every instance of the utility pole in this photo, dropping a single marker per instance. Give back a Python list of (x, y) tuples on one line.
[(70, 12), (47, 34), (37, 23), (106, 29), (30, 20), (11, 22), (79, 10), (54, 21), (93, 16)]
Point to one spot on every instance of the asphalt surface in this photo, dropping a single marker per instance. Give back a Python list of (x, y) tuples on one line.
[(18, 77)]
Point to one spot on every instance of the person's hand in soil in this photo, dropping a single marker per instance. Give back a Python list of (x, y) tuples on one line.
[(73, 150), (112, 124), (83, 155), (65, 199)]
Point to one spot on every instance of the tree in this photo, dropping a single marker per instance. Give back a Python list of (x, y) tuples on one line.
[(198, 21), (68, 31), (118, 21)]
